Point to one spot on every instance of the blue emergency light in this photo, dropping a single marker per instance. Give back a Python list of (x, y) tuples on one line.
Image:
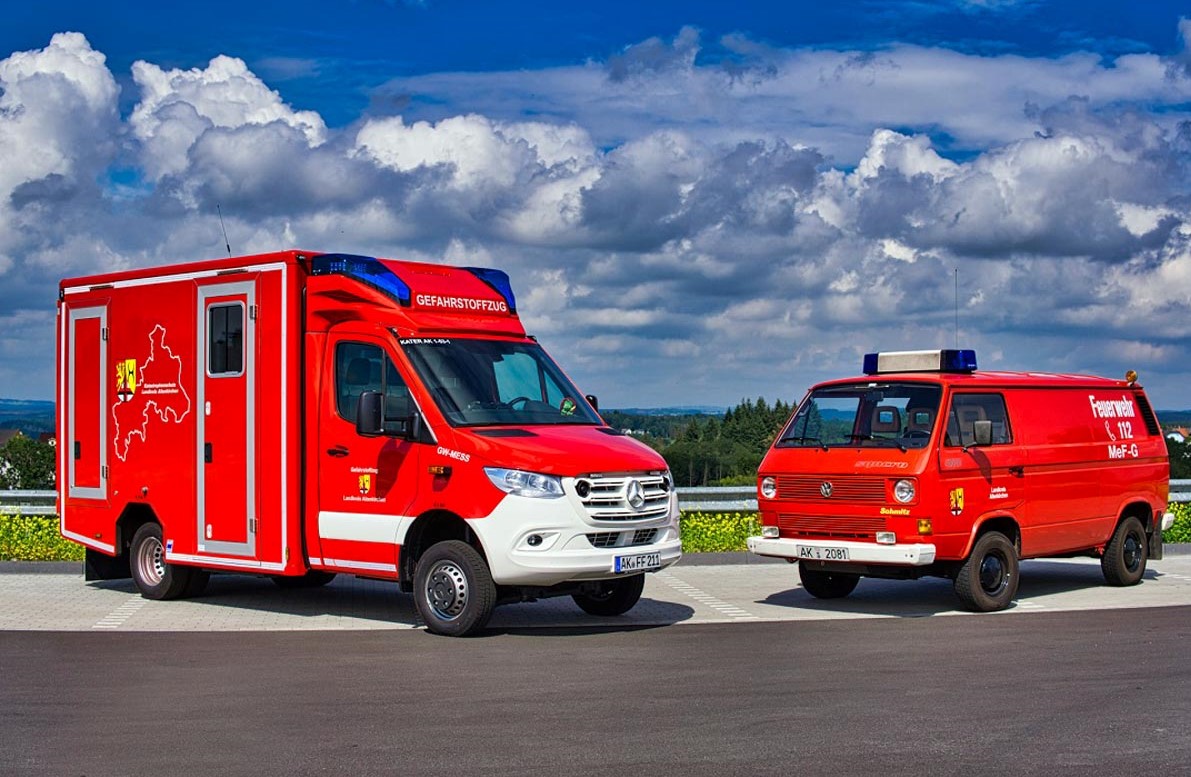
[(945, 360), (365, 269), (499, 281)]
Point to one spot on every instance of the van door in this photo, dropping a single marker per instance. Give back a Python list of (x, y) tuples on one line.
[(979, 480), (365, 484), (226, 419), (86, 435)]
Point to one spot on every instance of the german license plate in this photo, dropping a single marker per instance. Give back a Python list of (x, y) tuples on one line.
[(637, 563), (816, 553)]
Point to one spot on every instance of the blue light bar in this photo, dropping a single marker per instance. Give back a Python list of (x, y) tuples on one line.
[(365, 269), (499, 281), (946, 360)]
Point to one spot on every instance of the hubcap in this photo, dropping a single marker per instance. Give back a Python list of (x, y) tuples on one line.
[(992, 574), (1132, 554), (446, 590), (151, 561)]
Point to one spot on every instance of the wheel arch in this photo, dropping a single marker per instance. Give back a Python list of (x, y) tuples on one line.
[(1000, 522), (427, 529)]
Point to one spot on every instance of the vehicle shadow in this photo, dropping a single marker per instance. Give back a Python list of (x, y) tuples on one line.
[(349, 602), (935, 596)]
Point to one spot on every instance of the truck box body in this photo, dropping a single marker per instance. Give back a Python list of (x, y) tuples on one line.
[(219, 401), (886, 475)]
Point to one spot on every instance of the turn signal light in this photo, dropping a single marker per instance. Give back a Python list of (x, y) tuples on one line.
[(924, 526)]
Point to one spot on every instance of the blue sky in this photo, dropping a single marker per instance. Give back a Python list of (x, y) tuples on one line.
[(723, 200)]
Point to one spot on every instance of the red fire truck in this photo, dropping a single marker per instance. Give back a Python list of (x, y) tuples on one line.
[(927, 466), (300, 414)]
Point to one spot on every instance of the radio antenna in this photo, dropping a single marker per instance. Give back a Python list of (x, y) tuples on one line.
[(225, 240), (957, 307)]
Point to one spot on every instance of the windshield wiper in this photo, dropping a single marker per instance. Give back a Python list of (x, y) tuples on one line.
[(822, 444), (874, 438)]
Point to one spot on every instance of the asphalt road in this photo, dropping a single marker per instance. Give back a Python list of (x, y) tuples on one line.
[(1088, 692), (719, 670)]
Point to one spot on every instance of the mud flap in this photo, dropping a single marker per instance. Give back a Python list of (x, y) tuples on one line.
[(99, 566), (1154, 551)]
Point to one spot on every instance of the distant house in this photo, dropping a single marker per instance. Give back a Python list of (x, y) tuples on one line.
[(47, 438), (8, 434), (1179, 434)]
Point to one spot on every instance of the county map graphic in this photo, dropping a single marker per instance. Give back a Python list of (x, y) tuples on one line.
[(152, 394)]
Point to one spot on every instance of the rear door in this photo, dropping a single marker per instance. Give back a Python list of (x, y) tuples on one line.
[(86, 453), (227, 508)]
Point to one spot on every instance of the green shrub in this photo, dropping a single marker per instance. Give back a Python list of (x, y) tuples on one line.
[(35, 538), (1181, 530), (718, 532)]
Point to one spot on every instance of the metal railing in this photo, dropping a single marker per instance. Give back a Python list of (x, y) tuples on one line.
[(698, 498)]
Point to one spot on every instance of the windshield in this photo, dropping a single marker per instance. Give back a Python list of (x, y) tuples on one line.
[(496, 383), (900, 415)]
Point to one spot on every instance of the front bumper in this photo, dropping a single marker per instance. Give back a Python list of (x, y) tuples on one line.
[(563, 552), (915, 555)]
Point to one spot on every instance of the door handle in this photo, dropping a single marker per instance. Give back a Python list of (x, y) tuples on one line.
[(338, 451), (1017, 471)]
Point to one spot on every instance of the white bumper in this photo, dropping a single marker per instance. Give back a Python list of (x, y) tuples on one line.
[(564, 552), (916, 555)]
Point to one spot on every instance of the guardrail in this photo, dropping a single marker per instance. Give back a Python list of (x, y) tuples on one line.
[(28, 503), (698, 498)]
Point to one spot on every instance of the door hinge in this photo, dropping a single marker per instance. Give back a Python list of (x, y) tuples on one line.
[(252, 525), (252, 312), (103, 334), (103, 472)]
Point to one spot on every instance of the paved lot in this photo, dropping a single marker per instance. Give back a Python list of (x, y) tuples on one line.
[(32, 598)]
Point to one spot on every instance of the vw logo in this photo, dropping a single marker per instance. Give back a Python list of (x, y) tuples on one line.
[(634, 494), (825, 489)]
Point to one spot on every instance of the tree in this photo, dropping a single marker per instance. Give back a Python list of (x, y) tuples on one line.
[(26, 463), (1180, 459)]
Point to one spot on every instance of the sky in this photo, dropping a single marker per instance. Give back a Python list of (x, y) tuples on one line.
[(698, 202)]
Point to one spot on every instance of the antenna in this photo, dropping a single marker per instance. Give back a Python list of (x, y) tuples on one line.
[(957, 307), (225, 240)]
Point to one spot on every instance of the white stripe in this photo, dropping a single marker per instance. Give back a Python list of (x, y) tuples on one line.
[(155, 279), (344, 564), (87, 540), (363, 527), (223, 562)]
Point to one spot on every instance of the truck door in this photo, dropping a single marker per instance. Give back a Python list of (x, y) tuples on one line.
[(226, 419), (86, 452), (366, 485)]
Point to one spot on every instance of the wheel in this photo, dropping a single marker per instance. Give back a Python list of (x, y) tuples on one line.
[(1124, 559), (453, 589), (615, 597), (313, 578), (987, 580), (827, 585), (153, 576)]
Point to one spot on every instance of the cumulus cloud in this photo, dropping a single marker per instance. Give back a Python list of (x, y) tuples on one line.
[(713, 230)]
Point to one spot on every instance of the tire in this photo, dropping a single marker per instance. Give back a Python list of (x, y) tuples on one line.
[(453, 589), (155, 578), (987, 580), (615, 597), (1124, 559), (314, 578), (827, 585)]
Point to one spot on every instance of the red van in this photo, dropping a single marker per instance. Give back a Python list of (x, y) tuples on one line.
[(300, 414), (927, 466)]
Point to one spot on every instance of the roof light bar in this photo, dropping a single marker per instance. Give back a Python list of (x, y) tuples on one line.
[(946, 360), (499, 281), (365, 269)]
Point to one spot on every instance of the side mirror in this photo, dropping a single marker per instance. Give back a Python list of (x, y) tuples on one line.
[(982, 432), (370, 414), (593, 401)]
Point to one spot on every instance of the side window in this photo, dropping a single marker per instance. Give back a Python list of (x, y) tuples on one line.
[(361, 367), (225, 339), (967, 409)]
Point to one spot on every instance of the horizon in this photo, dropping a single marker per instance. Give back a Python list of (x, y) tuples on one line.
[(697, 199)]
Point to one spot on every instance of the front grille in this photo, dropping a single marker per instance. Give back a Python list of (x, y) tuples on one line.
[(606, 496), (844, 488), (622, 539), (833, 527)]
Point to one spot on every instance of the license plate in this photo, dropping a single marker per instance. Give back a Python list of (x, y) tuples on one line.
[(637, 563), (816, 553)]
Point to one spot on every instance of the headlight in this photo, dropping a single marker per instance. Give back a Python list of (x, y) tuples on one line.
[(768, 487), (905, 491), (531, 484)]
